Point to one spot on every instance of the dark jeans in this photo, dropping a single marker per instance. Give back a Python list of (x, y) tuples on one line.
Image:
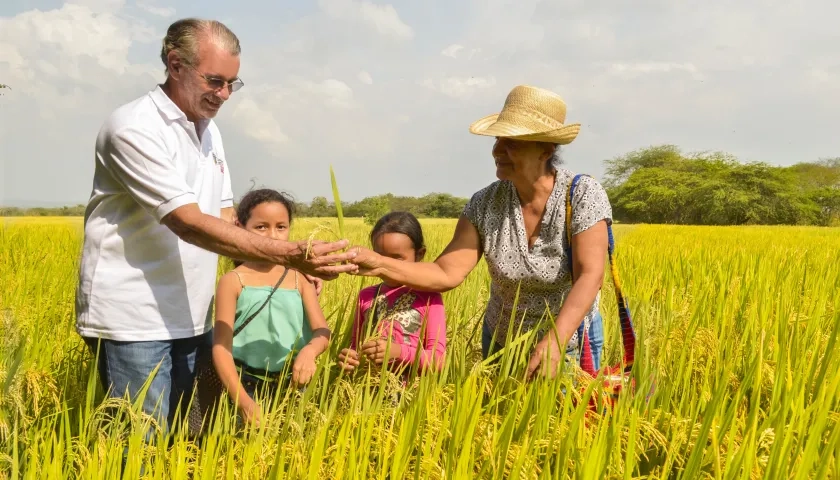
[(596, 340), (125, 366)]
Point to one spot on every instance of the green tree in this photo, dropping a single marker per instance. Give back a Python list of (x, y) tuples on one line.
[(320, 208), (619, 169), (376, 207), (661, 185), (827, 201), (442, 205)]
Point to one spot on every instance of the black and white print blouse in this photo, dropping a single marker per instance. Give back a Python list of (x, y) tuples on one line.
[(496, 213)]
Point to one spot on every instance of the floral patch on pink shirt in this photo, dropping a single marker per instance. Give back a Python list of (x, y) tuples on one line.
[(405, 315)]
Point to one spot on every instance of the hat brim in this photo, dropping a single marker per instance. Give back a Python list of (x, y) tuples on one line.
[(491, 127)]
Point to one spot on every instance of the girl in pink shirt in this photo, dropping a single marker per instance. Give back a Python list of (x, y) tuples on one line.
[(413, 320)]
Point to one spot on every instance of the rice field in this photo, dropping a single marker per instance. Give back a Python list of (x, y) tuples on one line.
[(737, 377)]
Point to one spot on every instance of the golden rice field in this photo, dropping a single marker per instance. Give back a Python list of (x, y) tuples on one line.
[(737, 334)]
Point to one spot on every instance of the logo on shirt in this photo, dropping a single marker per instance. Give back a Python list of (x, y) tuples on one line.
[(219, 162)]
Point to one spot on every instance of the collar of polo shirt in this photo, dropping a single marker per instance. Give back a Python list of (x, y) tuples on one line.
[(174, 113)]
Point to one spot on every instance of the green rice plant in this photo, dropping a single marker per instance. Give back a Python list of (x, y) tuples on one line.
[(337, 200), (735, 369)]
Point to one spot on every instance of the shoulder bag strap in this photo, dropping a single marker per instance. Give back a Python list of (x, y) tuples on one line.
[(248, 320), (628, 335)]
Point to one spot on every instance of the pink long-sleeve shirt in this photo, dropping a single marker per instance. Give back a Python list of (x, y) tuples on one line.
[(404, 315)]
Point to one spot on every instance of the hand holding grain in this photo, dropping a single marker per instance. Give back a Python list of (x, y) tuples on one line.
[(348, 359), (378, 351), (251, 413), (318, 259), (304, 367), (546, 357)]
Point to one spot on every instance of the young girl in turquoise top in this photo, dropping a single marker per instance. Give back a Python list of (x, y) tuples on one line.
[(256, 337)]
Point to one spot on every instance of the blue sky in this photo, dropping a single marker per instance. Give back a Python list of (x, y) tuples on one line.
[(388, 90)]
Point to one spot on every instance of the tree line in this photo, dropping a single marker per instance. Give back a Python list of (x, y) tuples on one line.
[(74, 211), (663, 185), (659, 184), (434, 205)]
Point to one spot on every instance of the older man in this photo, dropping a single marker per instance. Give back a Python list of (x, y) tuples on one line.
[(159, 216)]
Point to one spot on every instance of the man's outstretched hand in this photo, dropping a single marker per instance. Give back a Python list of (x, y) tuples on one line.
[(322, 261)]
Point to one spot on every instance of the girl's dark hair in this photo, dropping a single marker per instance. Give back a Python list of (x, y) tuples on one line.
[(264, 195), (399, 222), (257, 197)]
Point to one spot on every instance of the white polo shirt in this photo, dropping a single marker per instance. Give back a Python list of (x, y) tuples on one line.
[(137, 279)]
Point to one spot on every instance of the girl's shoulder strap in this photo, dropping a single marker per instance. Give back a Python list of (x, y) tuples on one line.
[(267, 299), (238, 277)]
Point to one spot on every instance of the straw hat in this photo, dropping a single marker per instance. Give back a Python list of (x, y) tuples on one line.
[(530, 113)]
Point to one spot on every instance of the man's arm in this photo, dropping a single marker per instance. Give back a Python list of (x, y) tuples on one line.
[(138, 159), (218, 236), (228, 215)]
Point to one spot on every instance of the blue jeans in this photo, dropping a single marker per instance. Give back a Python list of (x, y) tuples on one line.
[(125, 366), (596, 340)]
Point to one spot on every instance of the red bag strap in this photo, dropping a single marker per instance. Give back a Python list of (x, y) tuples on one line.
[(628, 334)]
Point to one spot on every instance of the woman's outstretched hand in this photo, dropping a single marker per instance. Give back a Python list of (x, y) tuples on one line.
[(320, 259), (368, 261)]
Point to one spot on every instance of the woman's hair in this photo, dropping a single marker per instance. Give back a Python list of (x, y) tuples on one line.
[(257, 197), (399, 222), (556, 159)]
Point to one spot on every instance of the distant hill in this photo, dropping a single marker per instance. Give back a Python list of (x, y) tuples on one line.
[(54, 211), (19, 203)]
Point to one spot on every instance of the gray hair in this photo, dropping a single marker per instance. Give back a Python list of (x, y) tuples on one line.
[(184, 36), (556, 159)]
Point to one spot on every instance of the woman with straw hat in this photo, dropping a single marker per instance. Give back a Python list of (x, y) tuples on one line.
[(519, 224)]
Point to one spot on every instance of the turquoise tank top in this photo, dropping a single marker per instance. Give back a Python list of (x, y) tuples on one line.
[(280, 329)]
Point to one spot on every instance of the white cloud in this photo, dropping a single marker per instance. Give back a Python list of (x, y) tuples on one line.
[(99, 5), (632, 70), (452, 50), (61, 37), (820, 75), (505, 27), (10, 55), (46, 53), (68, 68), (382, 18), (259, 123), (331, 92), (365, 78), (633, 75), (459, 87), (164, 12)]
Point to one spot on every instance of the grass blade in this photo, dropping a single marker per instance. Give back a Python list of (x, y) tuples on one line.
[(338, 208)]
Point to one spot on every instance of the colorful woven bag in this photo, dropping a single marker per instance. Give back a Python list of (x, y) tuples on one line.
[(617, 377)]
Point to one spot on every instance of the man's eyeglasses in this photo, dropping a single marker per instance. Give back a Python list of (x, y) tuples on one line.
[(217, 83)]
